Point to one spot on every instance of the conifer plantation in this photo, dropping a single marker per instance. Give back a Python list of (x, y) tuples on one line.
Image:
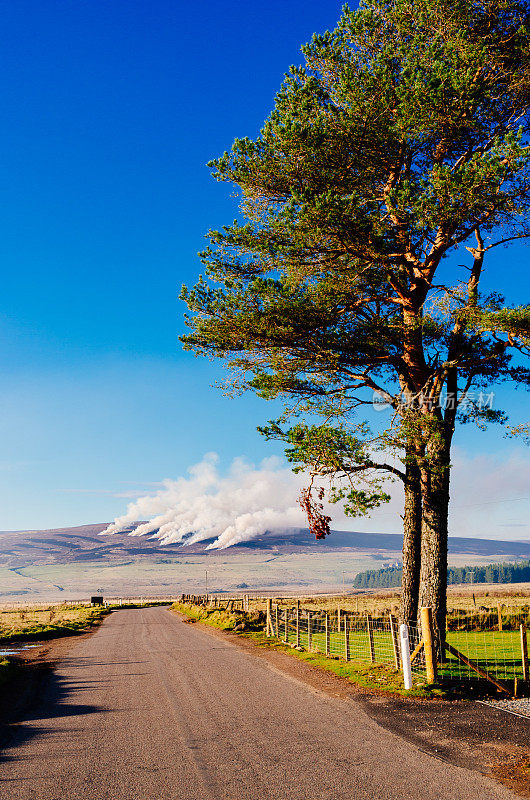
[(389, 577)]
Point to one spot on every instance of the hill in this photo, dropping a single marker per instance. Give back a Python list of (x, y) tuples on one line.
[(83, 543), (72, 563)]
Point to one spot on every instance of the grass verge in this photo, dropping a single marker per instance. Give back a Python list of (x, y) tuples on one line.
[(52, 622), (216, 617), (375, 677), (49, 623)]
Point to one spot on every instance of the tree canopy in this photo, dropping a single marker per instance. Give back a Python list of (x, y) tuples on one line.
[(403, 138)]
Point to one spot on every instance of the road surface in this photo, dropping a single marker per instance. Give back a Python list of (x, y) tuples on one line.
[(151, 708)]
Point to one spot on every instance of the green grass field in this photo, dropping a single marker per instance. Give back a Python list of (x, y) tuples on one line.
[(498, 653)]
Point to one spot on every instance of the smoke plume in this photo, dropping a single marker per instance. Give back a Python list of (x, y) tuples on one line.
[(230, 509)]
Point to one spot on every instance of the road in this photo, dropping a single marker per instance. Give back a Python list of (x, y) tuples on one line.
[(151, 708)]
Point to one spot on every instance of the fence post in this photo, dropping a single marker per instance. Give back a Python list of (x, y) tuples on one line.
[(524, 651), (269, 616), (370, 637), (309, 630), (285, 623), (277, 614), (395, 643), (427, 634), (499, 616), (405, 656), (326, 624), (346, 638), (338, 619), (298, 623)]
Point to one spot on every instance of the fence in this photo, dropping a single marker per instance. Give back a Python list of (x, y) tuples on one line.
[(340, 634), (484, 644), (498, 655)]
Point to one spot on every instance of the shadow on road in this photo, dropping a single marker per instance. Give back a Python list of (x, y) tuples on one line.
[(36, 693)]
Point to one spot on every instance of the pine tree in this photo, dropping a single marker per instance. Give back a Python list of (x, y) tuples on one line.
[(403, 138)]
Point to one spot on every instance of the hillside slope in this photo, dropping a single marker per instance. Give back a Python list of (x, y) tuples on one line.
[(83, 543)]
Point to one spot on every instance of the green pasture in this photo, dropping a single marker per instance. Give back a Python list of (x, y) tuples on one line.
[(498, 653)]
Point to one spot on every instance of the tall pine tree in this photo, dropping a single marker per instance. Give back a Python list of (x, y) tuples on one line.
[(402, 139)]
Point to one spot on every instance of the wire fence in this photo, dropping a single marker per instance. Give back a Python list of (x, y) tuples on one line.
[(352, 637), (497, 653), (500, 654), (484, 644)]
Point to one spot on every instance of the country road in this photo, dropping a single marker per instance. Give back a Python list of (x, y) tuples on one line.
[(151, 708)]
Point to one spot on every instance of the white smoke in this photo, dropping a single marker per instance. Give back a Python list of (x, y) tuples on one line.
[(231, 509), (489, 499)]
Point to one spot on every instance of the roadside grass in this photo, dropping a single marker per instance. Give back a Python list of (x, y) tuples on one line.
[(379, 677), (217, 618), (54, 621), (47, 623)]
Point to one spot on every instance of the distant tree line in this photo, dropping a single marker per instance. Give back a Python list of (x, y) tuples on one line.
[(390, 577)]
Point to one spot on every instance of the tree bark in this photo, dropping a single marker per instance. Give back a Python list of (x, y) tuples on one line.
[(411, 541), (435, 472)]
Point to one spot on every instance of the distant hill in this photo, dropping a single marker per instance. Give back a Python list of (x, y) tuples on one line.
[(71, 545)]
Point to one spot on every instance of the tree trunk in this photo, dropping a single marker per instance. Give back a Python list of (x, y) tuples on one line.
[(435, 507), (411, 542)]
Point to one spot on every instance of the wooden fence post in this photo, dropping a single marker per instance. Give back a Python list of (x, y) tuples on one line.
[(427, 633), (326, 628), (499, 616), (309, 630), (276, 616), (346, 638), (524, 651), (370, 637), (298, 623), (285, 624), (338, 619), (395, 642), (269, 616)]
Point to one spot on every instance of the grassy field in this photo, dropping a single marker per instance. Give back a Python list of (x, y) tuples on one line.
[(378, 603), (45, 623), (497, 653), (263, 571)]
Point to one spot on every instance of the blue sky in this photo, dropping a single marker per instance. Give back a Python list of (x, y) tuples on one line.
[(111, 111)]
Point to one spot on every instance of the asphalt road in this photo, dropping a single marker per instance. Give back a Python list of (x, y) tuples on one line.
[(151, 708)]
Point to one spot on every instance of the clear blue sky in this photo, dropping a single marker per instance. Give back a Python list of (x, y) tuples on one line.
[(110, 112)]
